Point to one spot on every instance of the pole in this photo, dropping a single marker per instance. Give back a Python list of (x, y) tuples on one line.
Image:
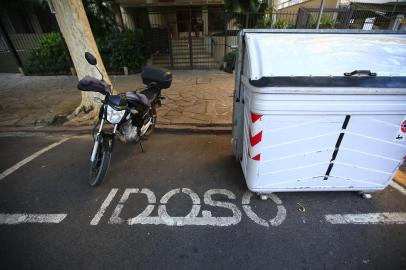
[(169, 40), (190, 39), (320, 13), (225, 32), (394, 7)]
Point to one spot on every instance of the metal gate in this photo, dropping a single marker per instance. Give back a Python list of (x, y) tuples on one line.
[(177, 38)]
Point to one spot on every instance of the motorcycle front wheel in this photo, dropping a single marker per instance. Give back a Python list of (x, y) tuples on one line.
[(100, 165)]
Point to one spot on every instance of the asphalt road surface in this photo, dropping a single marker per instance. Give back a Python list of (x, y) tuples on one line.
[(183, 204)]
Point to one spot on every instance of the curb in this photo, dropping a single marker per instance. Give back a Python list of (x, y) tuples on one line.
[(80, 130), (194, 129), (400, 178), (85, 130)]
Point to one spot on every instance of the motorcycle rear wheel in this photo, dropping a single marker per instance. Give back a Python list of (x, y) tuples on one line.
[(99, 167)]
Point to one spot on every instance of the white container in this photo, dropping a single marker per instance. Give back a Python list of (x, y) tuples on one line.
[(299, 124)]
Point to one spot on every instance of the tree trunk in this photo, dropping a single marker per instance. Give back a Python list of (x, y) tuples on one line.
[(75, 28)]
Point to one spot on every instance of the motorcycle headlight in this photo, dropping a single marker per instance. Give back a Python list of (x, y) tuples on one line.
[(114, 116)]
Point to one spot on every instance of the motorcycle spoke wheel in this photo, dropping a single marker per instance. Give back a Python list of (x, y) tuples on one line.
[(99, 167)]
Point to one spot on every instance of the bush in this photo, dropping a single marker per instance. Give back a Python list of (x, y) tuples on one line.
[(264, 23), (123, 49), (50, 57), (229, 59), (282, 24), (325, 23), (277, 24), (118, 50)]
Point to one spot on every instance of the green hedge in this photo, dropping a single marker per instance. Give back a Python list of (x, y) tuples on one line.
[(325, 23), (279, 23), (229, 59), (118, 50), (50, 57), (123, 49)]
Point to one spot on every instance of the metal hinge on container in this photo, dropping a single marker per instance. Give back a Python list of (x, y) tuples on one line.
[(360, 72)]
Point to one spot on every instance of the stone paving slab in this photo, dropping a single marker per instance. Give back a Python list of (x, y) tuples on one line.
[(196, 97), (36, 100)]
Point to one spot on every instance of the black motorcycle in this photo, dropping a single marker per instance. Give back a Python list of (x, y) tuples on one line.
[(132, 114)]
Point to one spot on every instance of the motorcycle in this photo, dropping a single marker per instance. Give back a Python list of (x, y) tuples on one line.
[(132, 114)]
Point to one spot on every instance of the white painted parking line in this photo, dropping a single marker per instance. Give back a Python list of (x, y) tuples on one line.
[(369, 218), (276, 221), (398, 187), (103, 207), (12, 219), (192, 218), (30, 158)]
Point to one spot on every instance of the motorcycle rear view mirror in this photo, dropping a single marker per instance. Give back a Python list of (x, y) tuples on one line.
[(93, 61), (90, 58)]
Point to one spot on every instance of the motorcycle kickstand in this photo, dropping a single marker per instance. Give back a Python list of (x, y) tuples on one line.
[(142, 148)]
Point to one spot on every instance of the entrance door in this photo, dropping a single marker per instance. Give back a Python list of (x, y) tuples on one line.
[(187, 46), (182, 43)]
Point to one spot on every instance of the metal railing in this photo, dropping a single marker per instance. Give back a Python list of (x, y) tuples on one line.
[(196, 43), (201, 37)]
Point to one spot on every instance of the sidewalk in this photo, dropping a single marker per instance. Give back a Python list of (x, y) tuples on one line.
[(400, 175), (196, 98)]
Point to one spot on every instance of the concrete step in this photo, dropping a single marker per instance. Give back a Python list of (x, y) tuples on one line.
[(184, 55), (194, 49), (201, 61), (202, 47), (182, 59), (195, 66), (185, 43), (186, 39), (201, 58)]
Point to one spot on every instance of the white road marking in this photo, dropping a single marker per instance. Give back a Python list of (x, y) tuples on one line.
[(179, 221), (369, 218), (30, 158), (192, 218), (103, 207), (221, 221), (398, 187), (276, 221), (12, 219), (115, 217)]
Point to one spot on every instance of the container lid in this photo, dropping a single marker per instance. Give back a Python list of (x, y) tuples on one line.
[(307, 54)]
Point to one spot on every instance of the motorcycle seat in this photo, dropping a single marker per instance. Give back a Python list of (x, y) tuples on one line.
[(150, 93), (133, 96), (144, 97)]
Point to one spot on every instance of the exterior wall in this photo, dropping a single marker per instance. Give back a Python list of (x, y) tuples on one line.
[(173, 26), (309, 4), (7, 63), (5, 19), (24, 45), (140, 3), (127, 18)]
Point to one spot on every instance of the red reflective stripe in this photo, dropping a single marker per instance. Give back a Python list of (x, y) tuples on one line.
[(255, 117), (257, 157), (254, 140), (402, 126)]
